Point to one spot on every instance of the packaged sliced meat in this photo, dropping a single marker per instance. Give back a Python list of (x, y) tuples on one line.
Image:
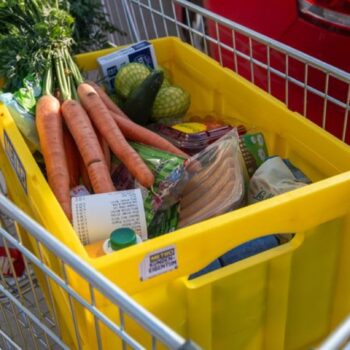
[(214, 181)]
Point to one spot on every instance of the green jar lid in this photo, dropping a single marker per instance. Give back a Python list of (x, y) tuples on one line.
[(122, 237)]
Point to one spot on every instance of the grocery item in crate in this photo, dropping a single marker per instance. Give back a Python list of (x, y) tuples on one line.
[(248, 249), (193, 137), (120, 238), (297, 173), (138, 106), (145, 93), (167, 76), (241, 252), (129, 77), (164, 221), (141, 52), (121, 177), (214, 182), (79, 191), (211, 120), (96, 216), (274, 177), (168, 169), (254, 150), (171, 102), (24, 120), (215, 265)]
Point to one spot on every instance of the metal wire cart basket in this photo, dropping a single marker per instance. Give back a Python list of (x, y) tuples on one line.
[(53, 298)]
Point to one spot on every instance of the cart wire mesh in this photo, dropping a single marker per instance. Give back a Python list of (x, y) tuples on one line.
[(339, 339), (315, 89)]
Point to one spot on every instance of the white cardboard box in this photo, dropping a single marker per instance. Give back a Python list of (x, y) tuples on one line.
[(141, 52)]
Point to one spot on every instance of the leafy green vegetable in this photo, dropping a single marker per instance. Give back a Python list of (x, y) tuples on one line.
[(30, 31), (33, 32), (26, 96)]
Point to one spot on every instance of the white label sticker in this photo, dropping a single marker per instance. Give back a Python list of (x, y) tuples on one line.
[(158, 262), (96, 216)]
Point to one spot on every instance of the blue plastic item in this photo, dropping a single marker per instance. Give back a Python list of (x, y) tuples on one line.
[(249, 249), (209, 268), (239, 253)]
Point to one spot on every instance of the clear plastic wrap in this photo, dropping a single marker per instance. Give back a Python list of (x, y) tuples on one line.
[(159, 204), (213, 182), (273, 177), (24, 120), (195, 134)]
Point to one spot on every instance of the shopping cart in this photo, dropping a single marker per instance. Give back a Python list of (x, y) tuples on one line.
[(30, 317), (340, 339), (28, 320), (264, 61)]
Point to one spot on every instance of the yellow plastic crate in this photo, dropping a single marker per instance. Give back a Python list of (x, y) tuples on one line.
[(289, 297)]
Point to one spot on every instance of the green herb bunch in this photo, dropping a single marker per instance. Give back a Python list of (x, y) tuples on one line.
[(35, 32), (31, 33)]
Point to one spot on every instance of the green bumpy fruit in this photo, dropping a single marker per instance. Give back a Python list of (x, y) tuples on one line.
[(167, 77), (171, 102), (166, 83), (129, 78), (166, 73)]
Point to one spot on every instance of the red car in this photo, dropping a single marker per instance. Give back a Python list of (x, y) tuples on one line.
[(320, 28)]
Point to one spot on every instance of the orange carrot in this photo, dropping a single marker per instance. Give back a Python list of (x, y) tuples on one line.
[(49, 125), (107, 153), (72, 155), (80, 126), (135, 132), (99, 176), (84, 175), (110, 131), (105, 149), (107, 100)]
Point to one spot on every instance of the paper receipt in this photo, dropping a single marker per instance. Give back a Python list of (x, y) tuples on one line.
[(96, 216)]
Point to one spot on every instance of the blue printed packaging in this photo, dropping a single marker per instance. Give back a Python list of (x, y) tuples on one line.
[(109, 65)]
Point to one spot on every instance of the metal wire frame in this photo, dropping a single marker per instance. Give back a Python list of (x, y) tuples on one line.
[(22, 306), (339, 339), (321, 92), (148, 19), (25, 321)]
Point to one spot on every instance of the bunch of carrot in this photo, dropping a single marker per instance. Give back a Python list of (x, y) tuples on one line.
[(76, 135), (77, 123)]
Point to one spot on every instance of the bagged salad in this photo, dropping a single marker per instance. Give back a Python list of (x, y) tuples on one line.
[(161, 209)]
